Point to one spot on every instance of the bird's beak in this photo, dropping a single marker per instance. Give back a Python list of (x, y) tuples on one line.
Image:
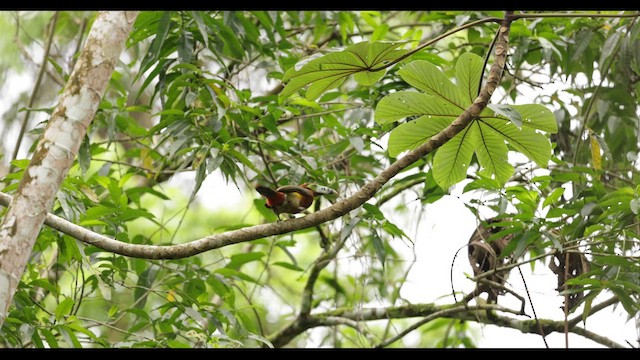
[(323, 190)]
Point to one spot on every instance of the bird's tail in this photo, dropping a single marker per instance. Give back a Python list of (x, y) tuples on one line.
[(266, 191)]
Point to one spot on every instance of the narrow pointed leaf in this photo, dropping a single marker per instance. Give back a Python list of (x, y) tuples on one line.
[(378, 246)]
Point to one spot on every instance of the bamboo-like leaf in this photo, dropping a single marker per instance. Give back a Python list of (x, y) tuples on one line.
[(378, 246), (329, 71), (596, 157), (553, 197)]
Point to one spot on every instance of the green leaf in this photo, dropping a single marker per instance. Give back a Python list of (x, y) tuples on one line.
[(329, 71), (70, 336), (232, 273), (238, 260), (45, 284), (64, 308), (609, 47), (453, 158), (425, 76), (553, 197), (634, 204), (403, 104), (529, 142), (175, 344), (378, 246), (492, 153), (509, 112), (145, 282), (156, 45), (442, 102), (202, 27), (84, 155), (469, 73), (367, 78), (538, 117), (232, 45), (287, 265), (49, 337)]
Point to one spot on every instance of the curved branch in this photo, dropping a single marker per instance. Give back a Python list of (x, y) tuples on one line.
[(477, 313), (333, 212)]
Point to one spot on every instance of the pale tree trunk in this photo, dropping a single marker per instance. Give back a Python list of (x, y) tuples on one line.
[(58, 147)]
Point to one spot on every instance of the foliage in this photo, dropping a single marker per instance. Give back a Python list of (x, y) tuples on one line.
[(333, 98)]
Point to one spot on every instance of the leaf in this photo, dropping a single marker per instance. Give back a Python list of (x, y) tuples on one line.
[(425, 76), (402, 104), (84, 155), (145, 282), (538, 117), (442, 101), (64, 308), (596, 157), (378, 246), (532, 144), (492, 152), (45, 284), (509, 112), (289, 266), (634, 204), (202, 27), (453, 158), (69, 336), (231, 273), (238, 260), (329, 71), (553, 197), (609, 47), (469, 72), (49, 337), (156, 45)]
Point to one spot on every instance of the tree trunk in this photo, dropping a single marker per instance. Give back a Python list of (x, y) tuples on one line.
[(58, 147)]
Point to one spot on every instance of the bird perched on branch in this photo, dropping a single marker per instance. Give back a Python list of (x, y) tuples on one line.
[(292, 199)]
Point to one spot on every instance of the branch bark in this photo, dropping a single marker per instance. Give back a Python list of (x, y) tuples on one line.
[(476, 313), (335, 211), (58, 147)]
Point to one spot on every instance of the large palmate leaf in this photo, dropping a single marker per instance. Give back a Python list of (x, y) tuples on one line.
[(329, 71), (488, 136)]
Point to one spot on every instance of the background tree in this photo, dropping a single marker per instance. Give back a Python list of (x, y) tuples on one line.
[(358, 101)]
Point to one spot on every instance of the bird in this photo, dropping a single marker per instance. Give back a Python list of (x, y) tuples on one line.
[(292, 199)]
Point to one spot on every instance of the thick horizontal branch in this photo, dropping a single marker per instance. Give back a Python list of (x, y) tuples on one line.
[(476, 314), (333, 212)]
